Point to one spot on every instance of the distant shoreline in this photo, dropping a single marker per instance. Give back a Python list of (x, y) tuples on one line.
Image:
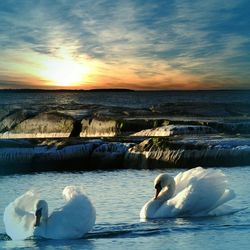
[(30, 90), (66, 90)]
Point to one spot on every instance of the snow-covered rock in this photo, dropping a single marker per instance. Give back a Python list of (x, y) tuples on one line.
[(175, 130)]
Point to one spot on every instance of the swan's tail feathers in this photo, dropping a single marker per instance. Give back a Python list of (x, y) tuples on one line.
[(228, 195), (225, 210), (219, 207)]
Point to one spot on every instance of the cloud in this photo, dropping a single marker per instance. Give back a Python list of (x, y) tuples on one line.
[(204, 42)]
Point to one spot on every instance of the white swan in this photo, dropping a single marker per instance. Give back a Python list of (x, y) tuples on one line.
[(28, 216), (196, 192)]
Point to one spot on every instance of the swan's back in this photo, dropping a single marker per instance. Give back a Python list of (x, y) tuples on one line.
[(199, 191), (19, 217)]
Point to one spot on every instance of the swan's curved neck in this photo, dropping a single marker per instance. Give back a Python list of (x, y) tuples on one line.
[(165, 185), (44, 216), (41, 213), (167, 191)]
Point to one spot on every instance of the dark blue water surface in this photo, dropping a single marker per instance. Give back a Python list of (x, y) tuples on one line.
[(139, 99), (118, 197)]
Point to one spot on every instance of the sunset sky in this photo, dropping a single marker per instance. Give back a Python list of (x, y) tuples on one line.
[(135, 44)]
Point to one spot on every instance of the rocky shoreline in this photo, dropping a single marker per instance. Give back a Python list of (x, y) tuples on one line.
[(88, 137)]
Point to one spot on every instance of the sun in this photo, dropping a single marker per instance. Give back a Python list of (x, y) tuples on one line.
[(65, 72)]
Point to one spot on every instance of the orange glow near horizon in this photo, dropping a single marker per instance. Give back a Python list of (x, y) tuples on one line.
[(63, 69), (65, 72), (69, 74)]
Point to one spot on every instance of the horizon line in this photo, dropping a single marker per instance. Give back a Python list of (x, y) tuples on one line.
[(116, 90)]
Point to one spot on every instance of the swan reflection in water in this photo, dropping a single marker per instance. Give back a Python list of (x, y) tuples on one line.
[(28, 216), (193, 193)]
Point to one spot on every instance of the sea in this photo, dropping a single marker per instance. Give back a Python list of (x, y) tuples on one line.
[(118, 195), (134, 99)]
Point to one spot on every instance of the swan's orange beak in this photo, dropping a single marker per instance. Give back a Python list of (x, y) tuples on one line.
[(38, 217), (157, 190)]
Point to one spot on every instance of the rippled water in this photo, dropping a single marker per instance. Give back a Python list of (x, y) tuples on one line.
[(139, 99), (118, 197)]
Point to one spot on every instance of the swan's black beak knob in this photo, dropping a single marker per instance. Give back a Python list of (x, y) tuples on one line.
[(158, 189), (38, 217)]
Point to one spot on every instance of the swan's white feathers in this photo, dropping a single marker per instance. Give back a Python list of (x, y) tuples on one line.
[(72, 220), (19, 217), (82, 218)]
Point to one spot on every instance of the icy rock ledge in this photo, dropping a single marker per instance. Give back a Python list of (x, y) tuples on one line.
[(88, 155), (189, 152), (175, 130)]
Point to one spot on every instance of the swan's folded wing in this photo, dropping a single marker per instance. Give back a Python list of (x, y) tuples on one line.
[(19, 224), (72, 220), (186, 178), (220, 208), (27, 201), (202, 177), (175, 206), (206, 191), (19, 216)]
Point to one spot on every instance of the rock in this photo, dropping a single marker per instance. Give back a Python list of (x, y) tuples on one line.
[(189, 152), (3, 112), (109, 155), (22, 156), (112, 127), (32, 157), (99, 128), (42, 126), (76, 114), (130, 126), (175, 130), (13, 119)]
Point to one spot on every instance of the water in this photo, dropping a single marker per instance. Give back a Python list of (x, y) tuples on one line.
[(118, 197), (141, 99)]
